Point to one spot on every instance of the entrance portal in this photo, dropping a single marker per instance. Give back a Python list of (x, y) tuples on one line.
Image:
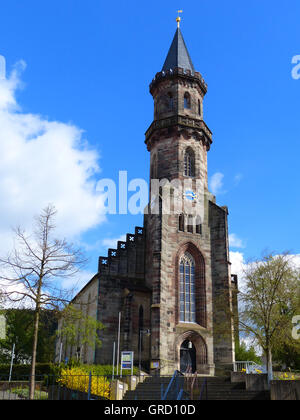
[(187, 357)]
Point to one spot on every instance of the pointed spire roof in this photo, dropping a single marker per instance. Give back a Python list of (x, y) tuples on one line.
[(178, 55)]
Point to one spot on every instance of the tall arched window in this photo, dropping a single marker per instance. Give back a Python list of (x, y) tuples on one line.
[(187, 101), (199, 107), (181, 223), (187, 289), (170, 101), (189, 162), (153, 172)]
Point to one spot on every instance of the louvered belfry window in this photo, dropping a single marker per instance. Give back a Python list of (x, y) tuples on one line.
[(187, 289)]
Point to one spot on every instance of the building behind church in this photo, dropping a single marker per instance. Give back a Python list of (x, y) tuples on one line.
[(170, 274)]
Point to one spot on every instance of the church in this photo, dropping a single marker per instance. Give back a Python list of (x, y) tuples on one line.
[(168, 278)]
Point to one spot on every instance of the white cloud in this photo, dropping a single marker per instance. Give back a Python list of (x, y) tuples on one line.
[(77, 282), (235, 241), (238, 266), (216, 183), (43, 162), (112, 243)]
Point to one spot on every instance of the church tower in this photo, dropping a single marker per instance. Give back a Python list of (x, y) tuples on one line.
[(166, 292), (187, 257)]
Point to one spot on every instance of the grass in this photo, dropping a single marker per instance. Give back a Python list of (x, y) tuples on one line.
[(24, 393)]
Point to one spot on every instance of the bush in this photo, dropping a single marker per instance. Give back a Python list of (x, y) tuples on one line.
[(77, 379), (19, 371), (100, 370), (22, 372), (106, 370), (243, 354)]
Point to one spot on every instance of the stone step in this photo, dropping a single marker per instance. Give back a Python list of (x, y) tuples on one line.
[(217, 388)]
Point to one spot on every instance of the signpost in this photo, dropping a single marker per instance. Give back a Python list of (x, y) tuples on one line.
[(126, 361), (12, 361)]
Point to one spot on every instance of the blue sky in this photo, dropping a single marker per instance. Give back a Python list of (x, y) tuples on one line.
[(89, 65)]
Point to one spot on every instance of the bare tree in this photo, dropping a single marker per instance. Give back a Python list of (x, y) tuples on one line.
[(32, 272)]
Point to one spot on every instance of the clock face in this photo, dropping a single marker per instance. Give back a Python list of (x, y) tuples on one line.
[(190, 195)]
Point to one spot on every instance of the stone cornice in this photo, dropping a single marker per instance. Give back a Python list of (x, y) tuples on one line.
[(181, 121), (179, 73)]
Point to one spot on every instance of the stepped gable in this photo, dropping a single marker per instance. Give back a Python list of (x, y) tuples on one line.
[(128, 259)]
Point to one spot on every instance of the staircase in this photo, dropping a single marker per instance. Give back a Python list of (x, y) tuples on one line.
[(217, 388), (150, 389), (220, 388)]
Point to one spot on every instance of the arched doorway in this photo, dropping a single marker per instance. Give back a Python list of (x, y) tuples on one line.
[(191, 350), (187, 357)]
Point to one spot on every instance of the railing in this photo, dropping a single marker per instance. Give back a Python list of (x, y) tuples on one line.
[(175, 387), (196, 385), (248, 367), (203, 388), (56, 387)]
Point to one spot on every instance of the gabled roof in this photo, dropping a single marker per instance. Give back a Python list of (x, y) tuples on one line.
[(178, 55)]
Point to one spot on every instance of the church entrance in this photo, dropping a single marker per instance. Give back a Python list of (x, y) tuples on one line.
[(187, 357)]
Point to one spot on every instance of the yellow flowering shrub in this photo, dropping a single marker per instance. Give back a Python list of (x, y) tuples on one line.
[(77, 379)]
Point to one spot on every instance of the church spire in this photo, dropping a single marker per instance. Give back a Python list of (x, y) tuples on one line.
[(178, 55)]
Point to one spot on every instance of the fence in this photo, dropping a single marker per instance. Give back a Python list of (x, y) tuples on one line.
[(52, 387), (248, 367)]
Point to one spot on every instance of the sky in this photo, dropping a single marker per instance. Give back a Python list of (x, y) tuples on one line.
[(75, 105)]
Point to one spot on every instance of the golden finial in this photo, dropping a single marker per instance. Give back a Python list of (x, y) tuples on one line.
[(178, 19)]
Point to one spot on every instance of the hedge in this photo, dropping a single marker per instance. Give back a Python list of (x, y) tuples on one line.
[(41, 369), (24, 370)]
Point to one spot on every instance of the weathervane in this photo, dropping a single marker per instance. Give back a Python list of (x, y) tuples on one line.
[(178, 19)]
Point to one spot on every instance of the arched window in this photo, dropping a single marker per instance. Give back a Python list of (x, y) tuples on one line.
[(187, 289), (190, 224), (170, 101), (153, 171), (187, 101), (199, 107), (181, 223), (198, 225), (189, 162)]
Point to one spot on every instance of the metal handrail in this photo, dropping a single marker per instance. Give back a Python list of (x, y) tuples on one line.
[(249, 366), (172, 381), (202, 389)]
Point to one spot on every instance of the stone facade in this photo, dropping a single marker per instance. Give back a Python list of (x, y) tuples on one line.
[(142, 277)]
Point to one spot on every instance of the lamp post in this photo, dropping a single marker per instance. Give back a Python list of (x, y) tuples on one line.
[(147, 332)]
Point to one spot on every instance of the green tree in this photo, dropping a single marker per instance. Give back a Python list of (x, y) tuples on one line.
[(76, 329), (242, 353), (19, 332), (269, 301)]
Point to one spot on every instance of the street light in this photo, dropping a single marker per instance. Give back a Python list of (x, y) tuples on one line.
[(147, 332)]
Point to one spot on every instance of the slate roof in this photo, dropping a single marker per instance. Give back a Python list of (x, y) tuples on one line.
[(178, 55)]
